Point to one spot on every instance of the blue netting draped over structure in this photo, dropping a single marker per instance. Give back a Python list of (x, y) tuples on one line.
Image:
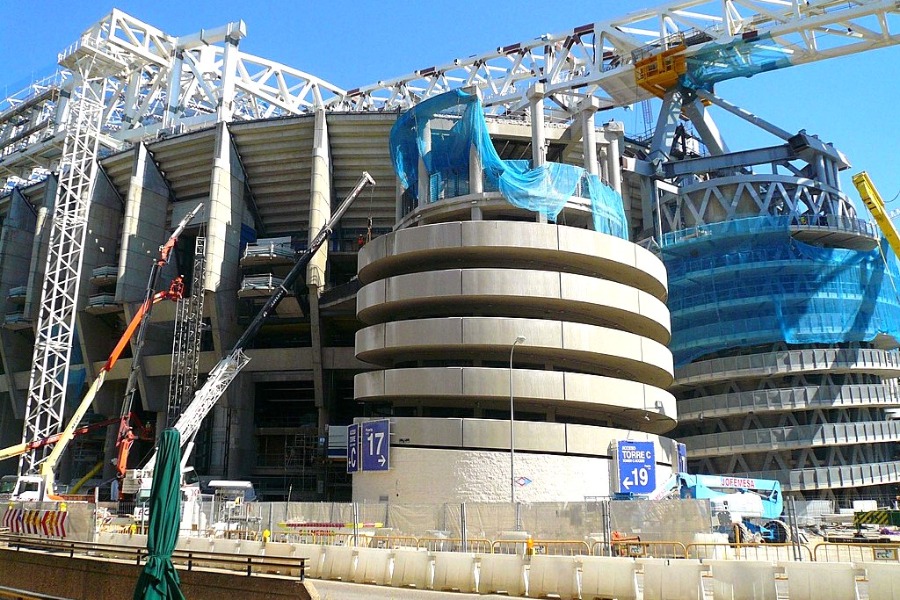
[(443, 130), (759, 289), (742, 58)]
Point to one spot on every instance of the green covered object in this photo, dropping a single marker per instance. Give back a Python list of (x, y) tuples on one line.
[(159, 579)]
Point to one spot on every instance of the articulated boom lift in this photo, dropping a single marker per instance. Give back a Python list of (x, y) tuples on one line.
[(36, 487), (227, 369)]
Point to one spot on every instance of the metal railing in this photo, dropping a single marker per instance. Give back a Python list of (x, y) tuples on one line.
[(188, 559)]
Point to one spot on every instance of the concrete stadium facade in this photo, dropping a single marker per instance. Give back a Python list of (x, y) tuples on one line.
[(472, 270)]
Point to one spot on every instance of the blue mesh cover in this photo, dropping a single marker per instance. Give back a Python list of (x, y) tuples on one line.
[(741, 58), (741, 290), (457, 123)]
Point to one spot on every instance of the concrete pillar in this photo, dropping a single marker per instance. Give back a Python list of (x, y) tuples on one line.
[(319, 213), (589, 134), (173, 95), (227, 213), (424, 183), (614, 133), (16, 241), (96, 336), (38, 262), (538, 140)]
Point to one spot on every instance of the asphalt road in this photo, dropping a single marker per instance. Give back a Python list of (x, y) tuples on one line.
[(338, 590)]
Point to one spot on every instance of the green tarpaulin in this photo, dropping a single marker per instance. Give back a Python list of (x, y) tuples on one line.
[(159, 579)]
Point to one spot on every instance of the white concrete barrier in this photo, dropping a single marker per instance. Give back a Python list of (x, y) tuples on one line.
[(743, 579), (373, 565), (502, 573), (821, 581), (676, 579), (553, 575), (195, 544), (608, 577), (454, 571), (412, 568), (223, 546), (339, 562), (313, 553), (884, 580)]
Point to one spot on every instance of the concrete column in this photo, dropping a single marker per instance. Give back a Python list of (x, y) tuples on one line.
[(227, 212), (614, 133), (538, 140), (95, 335), (319, 213), (589, 134), (38, 262), (173, 107), (16, 241), (424, 182), (229, 75)]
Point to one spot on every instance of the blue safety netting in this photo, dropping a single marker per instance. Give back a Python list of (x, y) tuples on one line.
[(443, 130), (743, 290), (741, 58)]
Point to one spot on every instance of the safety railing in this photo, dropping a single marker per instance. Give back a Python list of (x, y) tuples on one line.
[(435, 544), (14, 594), (548, 547), (853, 552), (648, 549), (392, 541), (722, 550), (189, 559)]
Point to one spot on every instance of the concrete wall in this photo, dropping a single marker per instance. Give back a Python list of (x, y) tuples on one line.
[(89, 578)]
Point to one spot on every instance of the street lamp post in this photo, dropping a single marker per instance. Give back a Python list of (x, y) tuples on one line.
[(512, 419)]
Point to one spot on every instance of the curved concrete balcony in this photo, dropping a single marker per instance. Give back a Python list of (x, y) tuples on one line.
[(625, 403), (792, 438), (531, 436), (882, 363), (512, 244), (830, 478), (515, 292), (789, 400), (18, 294), (588, 348)]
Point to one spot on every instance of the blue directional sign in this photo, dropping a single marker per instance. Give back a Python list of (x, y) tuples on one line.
[(353, 448), (637, 467), (376, 445)]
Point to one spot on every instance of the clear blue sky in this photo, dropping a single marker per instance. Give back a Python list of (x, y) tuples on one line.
[(850, 101)]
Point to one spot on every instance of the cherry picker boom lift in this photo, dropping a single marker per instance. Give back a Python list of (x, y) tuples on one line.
[(31, 486), (227, 369)]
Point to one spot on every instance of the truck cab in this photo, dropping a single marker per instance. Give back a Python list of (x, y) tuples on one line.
[(25, 488)]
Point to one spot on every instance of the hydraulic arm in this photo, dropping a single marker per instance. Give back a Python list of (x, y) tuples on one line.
[(875, 204), (228, 368)]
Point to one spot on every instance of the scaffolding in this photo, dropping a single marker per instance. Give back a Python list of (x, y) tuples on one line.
[(186, 345)]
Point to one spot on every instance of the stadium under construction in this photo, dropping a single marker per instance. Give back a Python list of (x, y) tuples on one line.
[(525, 286)]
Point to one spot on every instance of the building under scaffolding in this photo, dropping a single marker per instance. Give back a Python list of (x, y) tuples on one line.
[(660, 285)]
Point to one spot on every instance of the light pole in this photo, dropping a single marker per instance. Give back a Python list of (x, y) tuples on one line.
[(512, 419)]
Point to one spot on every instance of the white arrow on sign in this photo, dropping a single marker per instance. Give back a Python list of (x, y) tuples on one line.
[(381, 460), (626, 483)]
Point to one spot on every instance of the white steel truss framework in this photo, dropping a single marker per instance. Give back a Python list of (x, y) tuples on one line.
[(56, 321), (174, 83)]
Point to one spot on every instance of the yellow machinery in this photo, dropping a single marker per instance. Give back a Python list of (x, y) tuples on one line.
[(875, 204)]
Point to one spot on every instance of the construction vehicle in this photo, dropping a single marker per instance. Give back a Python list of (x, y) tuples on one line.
[(748, 509), (188, 424), (875, 204), (41, 486)]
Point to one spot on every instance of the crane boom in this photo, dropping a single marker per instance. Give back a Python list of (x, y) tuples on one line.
[(875, 204), (228, 368)]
